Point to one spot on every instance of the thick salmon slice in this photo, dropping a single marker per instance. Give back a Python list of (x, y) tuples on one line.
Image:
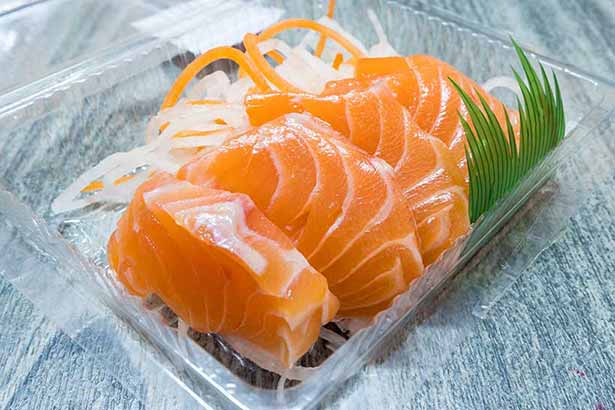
[(341, 206), (223, 267), (432, 100), (369, 113)]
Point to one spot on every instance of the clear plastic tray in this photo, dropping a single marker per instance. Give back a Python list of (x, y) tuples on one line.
[(98, 105)]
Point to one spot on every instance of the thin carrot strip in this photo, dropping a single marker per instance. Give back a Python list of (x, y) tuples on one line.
[(205, 102), (310, 25), (202, 61), (194, 133), (337, 61), (98, 185), (250, 41), (123, 179), (93, 186), (275, 54), (251, 44), (320, 47), (331, 9)]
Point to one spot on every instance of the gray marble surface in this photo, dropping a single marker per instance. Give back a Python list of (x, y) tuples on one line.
[(548, 342)]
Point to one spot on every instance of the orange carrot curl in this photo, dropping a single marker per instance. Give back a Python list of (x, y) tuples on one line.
[(320, 47), (202, 61)]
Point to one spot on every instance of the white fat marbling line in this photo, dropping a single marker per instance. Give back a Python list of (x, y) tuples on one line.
[(407, 138), (408, 242), (226, 223), (381, 216), (396, 272), (445, 96), (350, 189), (281, 171), (444, 225), (317, 185), (381, 135), (424, 89)]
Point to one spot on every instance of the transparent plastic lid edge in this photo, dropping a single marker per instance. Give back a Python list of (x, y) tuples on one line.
[(142, 44), (134, 47)]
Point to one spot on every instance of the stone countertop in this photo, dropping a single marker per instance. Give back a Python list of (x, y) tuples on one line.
[(548, 342)]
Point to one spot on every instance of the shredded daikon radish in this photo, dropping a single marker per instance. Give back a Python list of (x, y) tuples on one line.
[(383, 48), (300, 67), (193, 125), (280, 388), (190, 117), (178, 133), (201, 141), (294, 68), (346, 70), (332, 48), (238, 90), (232, 114), (163, 152), (312, 63), (214, 85), (325, 71), (334, 340), (275, 44), (108, 170)]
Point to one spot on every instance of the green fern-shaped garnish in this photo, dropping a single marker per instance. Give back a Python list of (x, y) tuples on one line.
[(495, 163)]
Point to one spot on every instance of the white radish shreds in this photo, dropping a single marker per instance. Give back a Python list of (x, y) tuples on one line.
[(107, 172), (211, 140), (383, 48), (238, 90), (177, 134), (232, 114), (301, 68), (346, 70), (212, 86), (505, 82), (306, 72), (275, 44), (324, 71), (185, 117), (334, 340), (163, 152), (326, 21), (310, 41)]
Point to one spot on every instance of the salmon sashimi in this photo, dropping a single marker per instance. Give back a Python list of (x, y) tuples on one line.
[(434, 103), (369, 114), (222, 267), (340, 206)]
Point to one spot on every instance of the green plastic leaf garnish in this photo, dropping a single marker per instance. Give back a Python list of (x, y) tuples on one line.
[(496, 163)]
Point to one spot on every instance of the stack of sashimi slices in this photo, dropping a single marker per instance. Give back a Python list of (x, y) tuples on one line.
[(316, 186)]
